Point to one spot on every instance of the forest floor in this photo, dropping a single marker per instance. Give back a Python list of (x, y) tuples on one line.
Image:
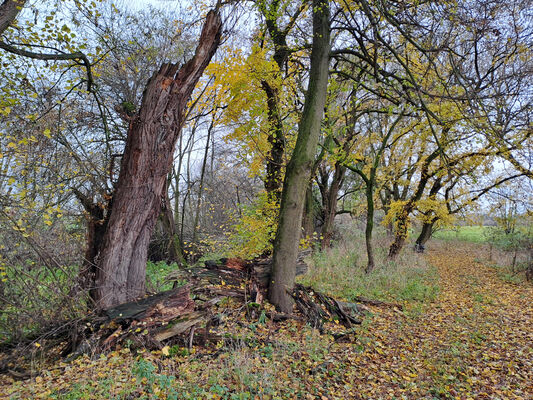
[(473, 341)]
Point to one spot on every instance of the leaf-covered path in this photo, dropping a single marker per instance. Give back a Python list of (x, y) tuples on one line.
[(475, 341)]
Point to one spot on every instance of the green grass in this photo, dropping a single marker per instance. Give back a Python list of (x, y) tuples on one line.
[(156, 272), (473, 234)]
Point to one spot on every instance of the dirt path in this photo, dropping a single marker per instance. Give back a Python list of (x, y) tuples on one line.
[(474, 342)]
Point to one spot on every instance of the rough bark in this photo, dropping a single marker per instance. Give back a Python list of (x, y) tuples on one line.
[(97, 218), (9, 9), (298, 171), (147, 159)]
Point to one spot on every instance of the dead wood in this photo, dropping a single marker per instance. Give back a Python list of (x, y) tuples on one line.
[(186, 314), (318, 308)]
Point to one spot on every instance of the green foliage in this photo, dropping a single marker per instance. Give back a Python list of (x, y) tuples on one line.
[(520, 238)]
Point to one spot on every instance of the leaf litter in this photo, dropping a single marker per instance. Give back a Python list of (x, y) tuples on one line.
[(473, 342)]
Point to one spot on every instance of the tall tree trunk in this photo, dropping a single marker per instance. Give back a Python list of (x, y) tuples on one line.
[(274, 162), (308, 224), (148, 156), (201, 185), (298, 171)]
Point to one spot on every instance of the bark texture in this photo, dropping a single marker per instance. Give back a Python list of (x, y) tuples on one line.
[(9, 9), (147, 159), (298, 171)]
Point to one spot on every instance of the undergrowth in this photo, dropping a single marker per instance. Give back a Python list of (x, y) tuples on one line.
[(339, 271)]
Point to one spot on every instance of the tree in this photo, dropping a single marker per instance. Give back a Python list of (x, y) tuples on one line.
[(298, 171), (147, 159)]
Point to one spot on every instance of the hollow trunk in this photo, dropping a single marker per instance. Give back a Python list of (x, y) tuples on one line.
[(147, 159), (96, 216), (298, 171)]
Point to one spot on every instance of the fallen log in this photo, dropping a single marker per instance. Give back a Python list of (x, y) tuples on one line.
[(319, 308)]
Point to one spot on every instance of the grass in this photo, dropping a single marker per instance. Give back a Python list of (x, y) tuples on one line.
[(474, 234), (257, 358), (156, 273), (339, 271)]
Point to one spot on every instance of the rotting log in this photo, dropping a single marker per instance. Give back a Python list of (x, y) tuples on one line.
[(318, 308)]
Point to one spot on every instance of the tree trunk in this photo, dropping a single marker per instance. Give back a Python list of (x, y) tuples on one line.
[(400, 235), (369, 226), (425, 235), (275, 139), (97, 216), (298, 171), (308, 224), (9, 10), (174, 247), (331, 207), (201, 184), (148, 156)]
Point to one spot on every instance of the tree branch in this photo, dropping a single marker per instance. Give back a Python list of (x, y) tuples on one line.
[(78, 57)]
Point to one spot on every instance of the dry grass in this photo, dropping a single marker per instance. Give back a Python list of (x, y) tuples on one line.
[(339, 271)]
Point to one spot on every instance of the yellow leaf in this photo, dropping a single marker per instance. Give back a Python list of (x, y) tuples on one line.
[(165, 351), (47, 133)]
